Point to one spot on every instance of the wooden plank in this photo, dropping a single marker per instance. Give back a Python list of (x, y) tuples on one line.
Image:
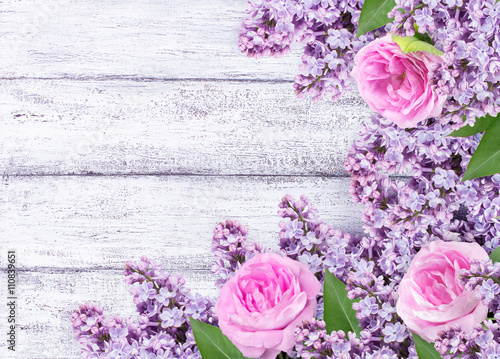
[(136, 38), (73, 234), (101, 222), (208, 127), (47, 299)]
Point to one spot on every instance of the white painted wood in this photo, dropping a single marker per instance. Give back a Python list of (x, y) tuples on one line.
[(74, 234), (101, 222), (48, 298), (137, 38), (156, 98), (123, 127)]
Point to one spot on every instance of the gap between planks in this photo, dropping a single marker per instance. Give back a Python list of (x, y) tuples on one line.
[(147, 79)]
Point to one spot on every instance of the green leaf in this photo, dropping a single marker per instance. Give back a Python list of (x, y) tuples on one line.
[(486, 159), (413, 44), (495, 255), (339, 314), (425, 37), (212, 343), (374, 15), (425, 350), (481, 125)]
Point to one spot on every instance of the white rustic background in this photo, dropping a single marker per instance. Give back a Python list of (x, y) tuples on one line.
[(131, 128)]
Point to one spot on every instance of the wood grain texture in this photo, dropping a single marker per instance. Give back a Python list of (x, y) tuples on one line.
[(73, 234), (49, 297), (129, 127), (101, 222), (135, 38)]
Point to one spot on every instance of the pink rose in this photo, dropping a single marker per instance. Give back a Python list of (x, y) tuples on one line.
[(396, 85), (431, 298), (261, 305)]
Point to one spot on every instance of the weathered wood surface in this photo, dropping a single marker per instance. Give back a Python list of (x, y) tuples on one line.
[(131, 128), (131, 38), (101, 222), (49, 298), (74, 234), (181, 127)]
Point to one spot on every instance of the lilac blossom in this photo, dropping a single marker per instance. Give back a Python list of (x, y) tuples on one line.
[(305, 237), (230, 248), (467, 32), (325, 27), (412, 200), (161, 330)]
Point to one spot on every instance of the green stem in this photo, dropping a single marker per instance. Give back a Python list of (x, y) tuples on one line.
[(148, 278), (301, 219)]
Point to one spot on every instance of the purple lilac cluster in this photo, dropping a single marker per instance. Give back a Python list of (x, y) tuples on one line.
[(409, 183), (485, 276), (231, 248), (467, 31), (162, 328), (306, 238), (427, 200), (382, 330), (313, 341), (327, 27), (482, 341)]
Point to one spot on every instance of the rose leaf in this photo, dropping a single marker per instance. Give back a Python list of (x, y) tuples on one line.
[(339, 314), (495, 255), (212, 343), (374, 15), (482, 124), (425, 350), (413, 44), (486, 159)]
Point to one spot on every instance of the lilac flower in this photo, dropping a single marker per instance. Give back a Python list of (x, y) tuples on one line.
[(326, 28), (294, 229), (146, 291), (160, 341), (434, 199), (423, 18), (143, 354), (312, 341), (309, 240), (489, 290), (448, 209), (444, 178), (172, 317), (196, 308), (431, 3), (164, 296), (386, 311), (384, 353), (338, 38), (368, 306), (230, 247), (321, 242), (315, 66), (394, 332), (144, 337), (415, 201), (118, 333), (312, 261)]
